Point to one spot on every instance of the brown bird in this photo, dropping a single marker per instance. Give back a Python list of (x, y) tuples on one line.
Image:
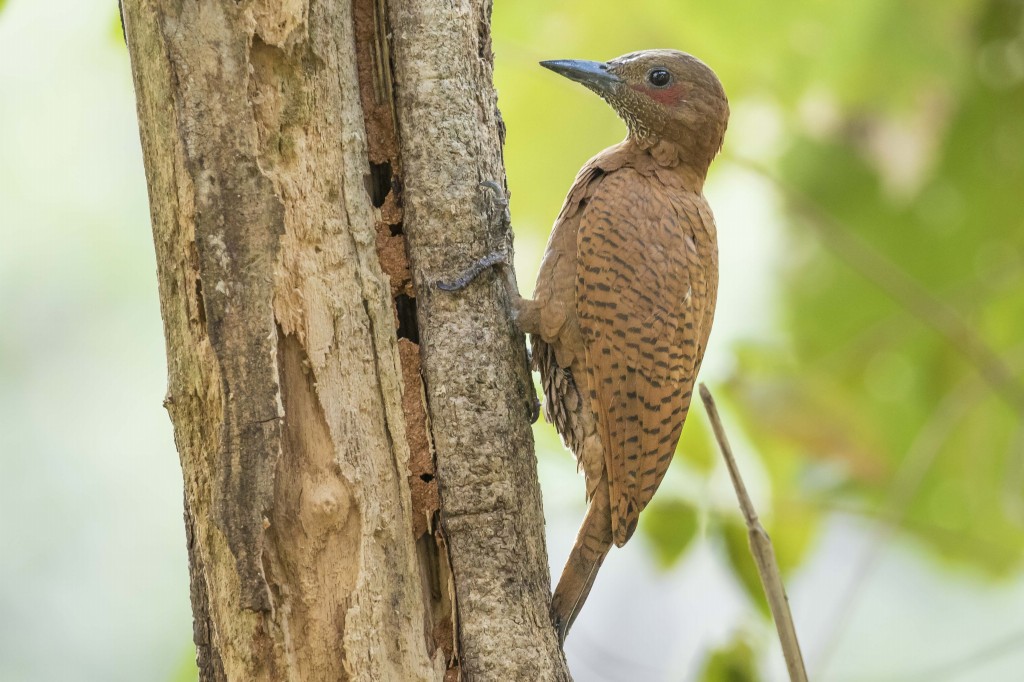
[(626, 295)]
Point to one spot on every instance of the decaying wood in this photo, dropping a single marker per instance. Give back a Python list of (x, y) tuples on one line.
[(377, 97), (293, 151), (285, 388)]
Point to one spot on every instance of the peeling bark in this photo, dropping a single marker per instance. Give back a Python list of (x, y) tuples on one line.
[(344, 522)]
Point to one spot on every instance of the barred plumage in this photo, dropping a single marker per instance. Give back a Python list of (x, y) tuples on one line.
[(626, 295)]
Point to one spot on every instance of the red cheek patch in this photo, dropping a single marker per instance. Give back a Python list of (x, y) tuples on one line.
[(668, 97)]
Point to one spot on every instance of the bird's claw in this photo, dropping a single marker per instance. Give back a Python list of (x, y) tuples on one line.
[(499, 193), (463, 280), (501, 257), (499, 201)]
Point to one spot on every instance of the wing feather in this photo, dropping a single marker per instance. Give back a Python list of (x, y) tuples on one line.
[(642, 329)]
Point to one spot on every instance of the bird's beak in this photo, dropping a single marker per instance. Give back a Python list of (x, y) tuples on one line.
[(595, 75)]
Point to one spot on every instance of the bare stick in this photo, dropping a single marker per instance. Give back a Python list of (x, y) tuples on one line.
[(761, 549)]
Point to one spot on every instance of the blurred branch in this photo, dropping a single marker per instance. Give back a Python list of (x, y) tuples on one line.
[(903, 289), (919, 460), (966, 542), (1013, 480), (1008, 644), (892, 330), (761, 549)]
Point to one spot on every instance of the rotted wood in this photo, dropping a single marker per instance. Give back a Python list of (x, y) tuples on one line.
[(361, 499), (285, 386)]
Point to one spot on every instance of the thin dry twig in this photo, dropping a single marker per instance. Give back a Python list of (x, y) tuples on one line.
[(762, 551)]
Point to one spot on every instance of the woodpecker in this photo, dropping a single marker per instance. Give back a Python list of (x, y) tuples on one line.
[(626, 294)]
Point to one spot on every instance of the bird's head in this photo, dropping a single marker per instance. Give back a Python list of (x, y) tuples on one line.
[(664, 96)]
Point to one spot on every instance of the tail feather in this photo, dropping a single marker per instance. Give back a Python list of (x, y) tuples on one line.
[(592, 545)]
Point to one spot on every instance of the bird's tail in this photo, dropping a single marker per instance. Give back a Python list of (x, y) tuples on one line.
[(592, 545)]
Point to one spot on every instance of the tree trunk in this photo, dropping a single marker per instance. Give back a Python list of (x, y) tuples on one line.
[(478, 385), (345, 518)]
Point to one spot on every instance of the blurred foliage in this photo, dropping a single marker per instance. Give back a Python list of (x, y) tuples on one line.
[(893, 135), (670, 525), (188, 671), (925, 181), (733, 663)]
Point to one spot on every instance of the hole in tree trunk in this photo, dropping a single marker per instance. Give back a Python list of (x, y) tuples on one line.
[(406, 307), (380, 182)]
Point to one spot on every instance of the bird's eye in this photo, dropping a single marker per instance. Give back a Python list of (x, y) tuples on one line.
[(659, 78)]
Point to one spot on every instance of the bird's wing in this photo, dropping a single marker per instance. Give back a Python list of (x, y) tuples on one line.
[(587, 179), (554, 348), (640, 323)]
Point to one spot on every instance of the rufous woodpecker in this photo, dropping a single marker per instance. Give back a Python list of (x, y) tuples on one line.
[(626, 295)]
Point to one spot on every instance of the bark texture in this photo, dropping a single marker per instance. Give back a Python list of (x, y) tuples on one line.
[(284, 380), (276, 169), (478, 386)]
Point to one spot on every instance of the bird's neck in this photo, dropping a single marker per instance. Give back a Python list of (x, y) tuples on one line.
[(691, 163)]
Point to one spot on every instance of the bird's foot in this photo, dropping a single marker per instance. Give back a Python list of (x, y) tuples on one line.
[(535, 410), (474, 271), (499, 206), (500, 198)]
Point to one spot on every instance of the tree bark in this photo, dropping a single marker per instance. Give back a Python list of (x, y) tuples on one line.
[(296, 153), (478, 385)]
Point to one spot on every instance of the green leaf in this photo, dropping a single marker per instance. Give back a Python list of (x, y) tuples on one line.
[(793, 529), (116, 30), (696, 446), (733, 663), (669, 525)]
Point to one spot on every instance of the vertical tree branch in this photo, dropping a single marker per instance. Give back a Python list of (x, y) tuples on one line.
[(478, 388)]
